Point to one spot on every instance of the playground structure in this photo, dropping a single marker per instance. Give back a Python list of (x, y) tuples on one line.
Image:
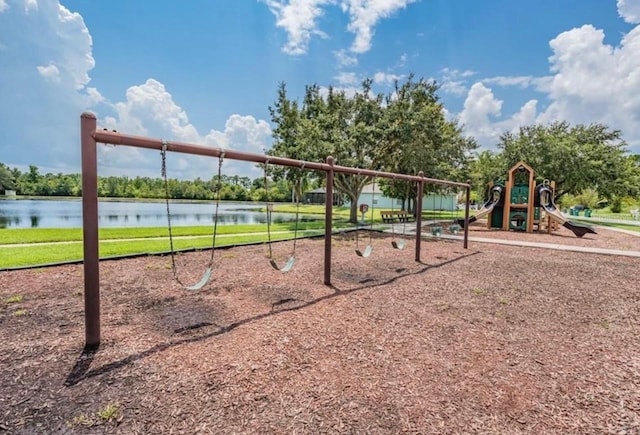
[(519, 204), (91, 136), (518, 211)]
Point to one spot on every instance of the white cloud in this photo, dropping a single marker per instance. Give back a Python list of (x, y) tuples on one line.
[(348, 78), (245, 133), (481, 113), (629, 10), (381, 78), (595, 82), (298, 19), (44, 92), (455, 87), (49, 72), (82, 62), (453, 73), (455, 81), (151, 105), (590, 81), (3, 6), (345, 59), (149, 110), (349, 91), (520, 81), (93, 97), (480, 107), (365, 14), (30, 6), (525, 116)]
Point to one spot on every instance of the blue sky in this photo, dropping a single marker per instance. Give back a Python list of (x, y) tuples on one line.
[(206, 71)]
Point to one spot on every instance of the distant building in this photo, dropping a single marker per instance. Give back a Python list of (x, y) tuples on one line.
[(9, 192), (317, 196), (436, 201), (373, 196)]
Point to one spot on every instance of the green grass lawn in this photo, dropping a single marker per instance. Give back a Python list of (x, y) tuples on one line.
[(67, 242), (635, 228), (42, 235), (46, 254)]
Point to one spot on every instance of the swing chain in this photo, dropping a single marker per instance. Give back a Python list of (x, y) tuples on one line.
[(174, 269), (163, 153), (373, 202), (215, 218), (269, 207)]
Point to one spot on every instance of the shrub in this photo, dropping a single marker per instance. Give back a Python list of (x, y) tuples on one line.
[(616, 204)]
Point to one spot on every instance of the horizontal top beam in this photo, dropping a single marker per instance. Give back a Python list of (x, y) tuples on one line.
[(115, 138)]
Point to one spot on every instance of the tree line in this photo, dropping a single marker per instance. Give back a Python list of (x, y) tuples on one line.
[(405, 131), (590, 164), (230, 187), (408, 130)]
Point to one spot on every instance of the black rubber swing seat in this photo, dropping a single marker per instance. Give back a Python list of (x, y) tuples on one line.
[(398, 244)]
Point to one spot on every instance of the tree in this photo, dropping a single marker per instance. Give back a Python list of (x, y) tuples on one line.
[(286, 117), (34, 174), (353, 131), (407, 132), (343, 126), (576, 158), (418, 137), (6, 178), (486, 167)]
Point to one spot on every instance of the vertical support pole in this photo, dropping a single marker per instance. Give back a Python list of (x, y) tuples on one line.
[(530, 202), (90, 230), (328, 221), (419, 215), (506, 211), (467, 204)]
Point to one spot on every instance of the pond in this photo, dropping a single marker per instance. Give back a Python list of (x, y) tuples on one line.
[(26, 213)]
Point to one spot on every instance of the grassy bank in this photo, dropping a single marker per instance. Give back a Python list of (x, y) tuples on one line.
[(37, 246), (37, 254), (48, 235)]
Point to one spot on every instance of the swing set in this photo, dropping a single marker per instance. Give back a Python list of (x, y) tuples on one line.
[(206, 276), (91, 136), (398, 243), (438, 219), (364, 208), (269, 207)]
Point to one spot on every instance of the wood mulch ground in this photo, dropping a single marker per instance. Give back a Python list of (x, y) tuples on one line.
[(492, 339)]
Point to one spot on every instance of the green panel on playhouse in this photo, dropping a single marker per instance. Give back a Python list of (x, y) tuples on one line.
[(496, 217), (518, 220), (520, 194)]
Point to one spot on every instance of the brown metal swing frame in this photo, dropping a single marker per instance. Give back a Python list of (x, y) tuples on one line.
[(91, 136)]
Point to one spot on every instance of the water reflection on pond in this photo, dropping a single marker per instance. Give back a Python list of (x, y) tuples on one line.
[(68, 214)]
